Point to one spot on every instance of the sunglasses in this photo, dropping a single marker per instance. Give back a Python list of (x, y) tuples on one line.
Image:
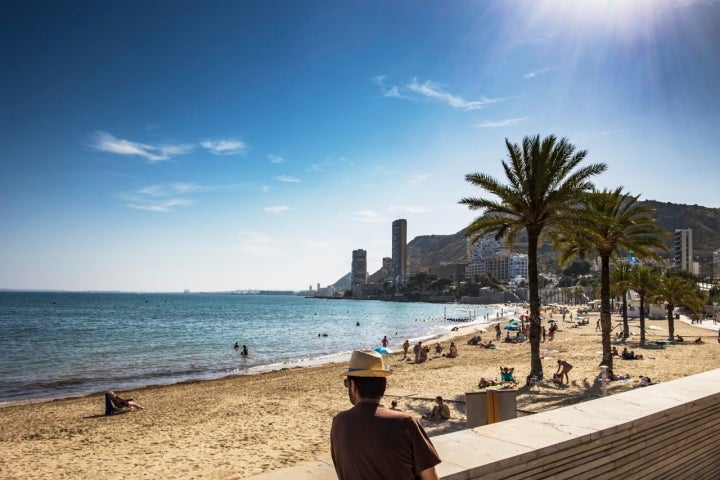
[(346, 382)]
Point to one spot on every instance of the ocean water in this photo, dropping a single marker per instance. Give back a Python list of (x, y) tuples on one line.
[(69, 344)]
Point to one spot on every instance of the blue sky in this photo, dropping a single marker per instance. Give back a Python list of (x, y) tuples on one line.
[(221, 145)]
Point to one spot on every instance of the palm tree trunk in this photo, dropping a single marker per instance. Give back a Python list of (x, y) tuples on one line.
[(671, 321), (534, 293), (605, 313), (642, 320), (626, 327)]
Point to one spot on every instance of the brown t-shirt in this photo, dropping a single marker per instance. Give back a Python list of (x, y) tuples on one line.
[(370, 441)]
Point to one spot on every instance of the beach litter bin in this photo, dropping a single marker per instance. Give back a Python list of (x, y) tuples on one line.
[(490, 406)]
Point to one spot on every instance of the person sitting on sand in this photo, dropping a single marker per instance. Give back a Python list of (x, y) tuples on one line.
[(114, 403), (482, 383), (506, 374), (488, 344), (440, 411), (475, 340), (644, 381), (615, 352), (630, 355), (679, 339), (453, 351), (698, 341), (438, 349), (394, 405)]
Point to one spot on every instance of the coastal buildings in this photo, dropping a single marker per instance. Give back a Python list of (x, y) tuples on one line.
[(683, 249), (488, 257), (716, 264), (358, 272), (398, 264)]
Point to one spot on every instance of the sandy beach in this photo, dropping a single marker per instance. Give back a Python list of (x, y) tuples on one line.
[(241, 426)]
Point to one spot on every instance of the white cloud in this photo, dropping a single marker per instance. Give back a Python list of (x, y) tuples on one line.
[(502, 123), (287, 179), (163, 198), (163, 206), (260, 244), (419, 178), (279, 209), (435, 91), (536, 73), (367, 216), (106, 142), (276, 158), (225, 147), (406, 209)]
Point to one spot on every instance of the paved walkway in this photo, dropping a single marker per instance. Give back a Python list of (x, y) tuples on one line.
[(707, 324)]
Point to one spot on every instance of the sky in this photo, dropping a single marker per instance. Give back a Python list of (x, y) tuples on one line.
[(230, 145)]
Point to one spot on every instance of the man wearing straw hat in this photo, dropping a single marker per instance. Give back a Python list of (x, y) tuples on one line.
[(371, 441)]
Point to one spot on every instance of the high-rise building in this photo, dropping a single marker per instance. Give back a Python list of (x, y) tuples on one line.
[(358, 271), (683, 252), (398, 264)]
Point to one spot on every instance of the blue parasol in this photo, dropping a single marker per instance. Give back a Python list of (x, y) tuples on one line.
[(383, 350), (511, 327)]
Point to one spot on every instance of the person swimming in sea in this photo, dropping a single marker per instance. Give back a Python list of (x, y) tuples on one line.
[(244, 352)]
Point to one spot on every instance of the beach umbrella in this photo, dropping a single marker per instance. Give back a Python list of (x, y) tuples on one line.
[(511, 327), (515, 320), (383, 350), (552, 320)]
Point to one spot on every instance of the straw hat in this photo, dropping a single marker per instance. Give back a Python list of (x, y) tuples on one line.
[(366, 363)]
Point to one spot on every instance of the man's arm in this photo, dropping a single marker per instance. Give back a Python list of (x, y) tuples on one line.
[(429, 474)]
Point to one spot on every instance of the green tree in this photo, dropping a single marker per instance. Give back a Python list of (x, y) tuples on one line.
[(545, 181), (675, 291), (643, 280), (608, 222)]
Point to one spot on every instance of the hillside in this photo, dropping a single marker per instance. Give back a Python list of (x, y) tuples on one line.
[(437, 250), (436, 253)]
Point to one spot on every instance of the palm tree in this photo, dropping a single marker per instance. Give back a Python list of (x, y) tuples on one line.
[(544, 182), (644, 281), (676, 291), (620, 283), (608, 222)]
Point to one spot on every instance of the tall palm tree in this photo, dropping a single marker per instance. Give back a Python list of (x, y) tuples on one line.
[(675, 291), (607, 223), (643, 280), (620, 283), (544, 182)]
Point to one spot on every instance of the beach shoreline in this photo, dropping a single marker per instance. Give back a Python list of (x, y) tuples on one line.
[(243, 425)]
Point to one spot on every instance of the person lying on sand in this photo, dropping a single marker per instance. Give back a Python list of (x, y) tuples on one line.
[(114, 404), (486, 383)]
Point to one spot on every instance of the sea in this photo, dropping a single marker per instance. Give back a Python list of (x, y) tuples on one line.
[(55, 345)]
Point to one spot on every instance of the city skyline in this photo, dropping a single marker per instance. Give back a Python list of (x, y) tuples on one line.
[(221, 146)]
